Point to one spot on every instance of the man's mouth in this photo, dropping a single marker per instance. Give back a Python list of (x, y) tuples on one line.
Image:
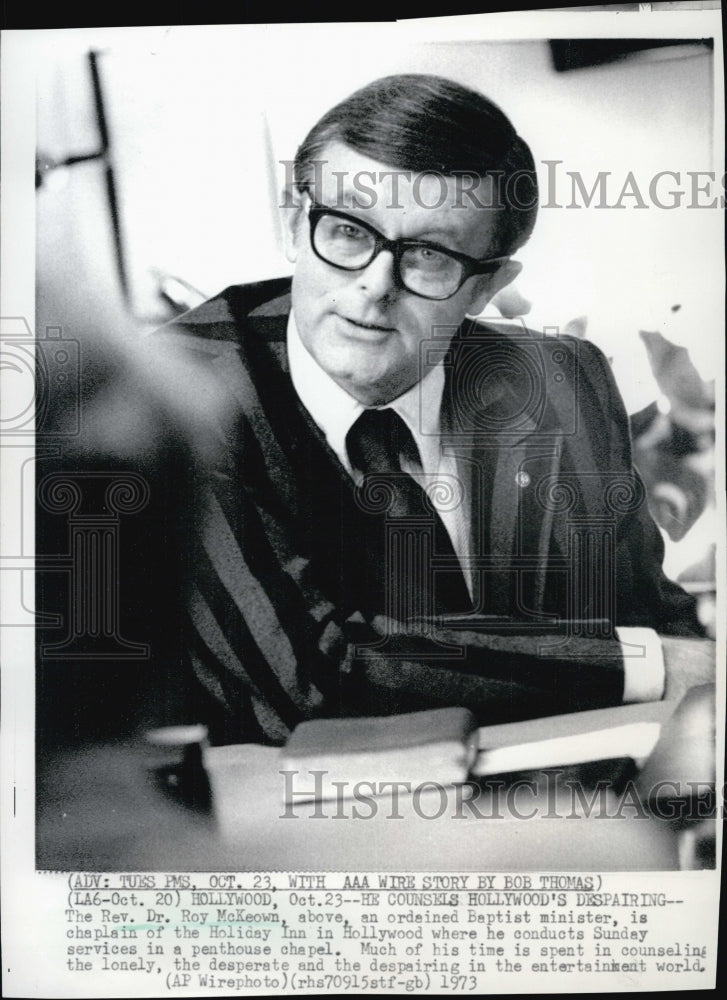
[(373, 327)]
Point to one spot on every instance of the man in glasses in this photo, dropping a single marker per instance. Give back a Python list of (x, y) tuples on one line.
[(403, 507)]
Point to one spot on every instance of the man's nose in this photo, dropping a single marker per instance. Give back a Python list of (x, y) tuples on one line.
[(378, 280)]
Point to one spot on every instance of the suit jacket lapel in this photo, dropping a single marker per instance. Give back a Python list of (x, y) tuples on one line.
[(495, 452)]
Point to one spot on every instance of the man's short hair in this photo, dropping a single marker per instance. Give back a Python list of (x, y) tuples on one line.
[(423, 123)]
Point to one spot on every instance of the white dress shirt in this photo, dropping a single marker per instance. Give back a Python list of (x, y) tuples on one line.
[(335, 411)]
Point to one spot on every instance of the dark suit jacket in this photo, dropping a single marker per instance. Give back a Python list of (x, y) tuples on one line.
[(284, 624)]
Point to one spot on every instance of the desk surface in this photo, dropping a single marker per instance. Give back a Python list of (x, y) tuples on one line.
[(100, 808)]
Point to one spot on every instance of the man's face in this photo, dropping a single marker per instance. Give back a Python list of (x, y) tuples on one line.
[(361, 328)]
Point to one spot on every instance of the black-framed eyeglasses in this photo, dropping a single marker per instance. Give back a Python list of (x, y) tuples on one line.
[(425, 269)]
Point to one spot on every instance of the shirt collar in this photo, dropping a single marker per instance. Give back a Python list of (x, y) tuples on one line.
[(335, 411)]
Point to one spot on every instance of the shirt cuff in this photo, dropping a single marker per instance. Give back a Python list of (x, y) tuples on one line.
[(643, 657)]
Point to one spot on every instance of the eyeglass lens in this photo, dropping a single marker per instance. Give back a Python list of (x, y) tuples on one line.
[(422, 269)]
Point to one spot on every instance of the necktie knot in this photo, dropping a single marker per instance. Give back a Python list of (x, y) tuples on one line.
[(378, 441)]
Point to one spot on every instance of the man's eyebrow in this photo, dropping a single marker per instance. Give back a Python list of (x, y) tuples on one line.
[(437, 233), (442, 236), (434, 234)]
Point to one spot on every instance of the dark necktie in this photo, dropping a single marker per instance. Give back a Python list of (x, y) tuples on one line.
[(407, 538)]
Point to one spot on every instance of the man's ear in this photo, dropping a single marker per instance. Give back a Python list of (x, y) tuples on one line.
[(488, 285), (293, 218)]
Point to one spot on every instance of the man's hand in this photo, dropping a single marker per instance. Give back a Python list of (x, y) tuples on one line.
[(687, 662)]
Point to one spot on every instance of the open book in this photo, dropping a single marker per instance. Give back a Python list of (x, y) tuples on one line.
[(635, 740)]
